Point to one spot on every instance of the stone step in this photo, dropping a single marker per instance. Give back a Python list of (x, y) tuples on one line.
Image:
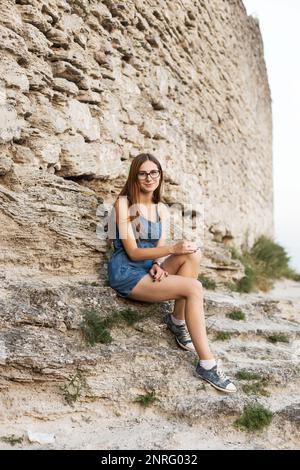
[(252, 328), (44, 320), (40, 341), (125, 374)]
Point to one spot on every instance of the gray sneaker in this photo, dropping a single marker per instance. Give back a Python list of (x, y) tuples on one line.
[(181, 333), (216, 377)]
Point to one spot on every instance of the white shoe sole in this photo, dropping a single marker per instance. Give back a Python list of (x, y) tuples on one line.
[(213, 385), (186, 348), (183, 346)]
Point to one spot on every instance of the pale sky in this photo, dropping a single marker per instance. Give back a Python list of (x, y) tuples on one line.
[(279, 24)]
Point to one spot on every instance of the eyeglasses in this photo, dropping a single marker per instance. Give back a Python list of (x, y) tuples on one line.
[(142, 175)]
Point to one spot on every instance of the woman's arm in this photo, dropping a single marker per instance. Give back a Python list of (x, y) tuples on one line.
[(128, 239), (164, 217)]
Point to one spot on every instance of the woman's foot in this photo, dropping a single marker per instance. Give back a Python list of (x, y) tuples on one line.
[(181, 334), (216, 377)]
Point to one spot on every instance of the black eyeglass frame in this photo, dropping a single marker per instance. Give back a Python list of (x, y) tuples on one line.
[(146, 173)]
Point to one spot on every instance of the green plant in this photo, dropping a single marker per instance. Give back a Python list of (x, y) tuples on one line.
[(254, 417), (147, 399), (12, 439), (231, 286), (243, 374), (207, 283), (94, 328), (234, 252), (256, 388), (236, 315), (292, 274), (223, 335), (73, 389), (278, 338), (247, 282), (97, 330), (130, 315), (263, 263), (273, 256)]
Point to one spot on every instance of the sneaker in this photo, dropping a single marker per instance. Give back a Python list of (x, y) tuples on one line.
[(181, 333), (216, 377)]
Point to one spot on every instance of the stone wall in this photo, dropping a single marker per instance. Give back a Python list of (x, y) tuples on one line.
[(87, 85)]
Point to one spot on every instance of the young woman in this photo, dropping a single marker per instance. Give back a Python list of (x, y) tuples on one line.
[(143, 267)]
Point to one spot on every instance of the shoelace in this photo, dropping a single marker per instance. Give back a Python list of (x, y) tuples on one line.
[(185, 334), (220, 372)]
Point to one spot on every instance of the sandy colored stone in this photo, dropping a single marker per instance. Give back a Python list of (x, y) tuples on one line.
[(40, 360), (86, 87)]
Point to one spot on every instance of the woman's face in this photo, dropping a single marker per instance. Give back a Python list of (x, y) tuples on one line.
[(148, 183)]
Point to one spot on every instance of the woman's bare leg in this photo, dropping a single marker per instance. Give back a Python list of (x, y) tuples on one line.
[(183, 265), (179, 287)]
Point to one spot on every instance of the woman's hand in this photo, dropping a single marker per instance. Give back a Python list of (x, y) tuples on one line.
[(157, 273), (184, 247)]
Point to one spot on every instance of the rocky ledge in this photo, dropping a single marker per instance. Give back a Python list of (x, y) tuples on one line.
[(53, 381)]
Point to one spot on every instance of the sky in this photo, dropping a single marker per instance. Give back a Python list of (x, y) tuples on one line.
[(279, 24)]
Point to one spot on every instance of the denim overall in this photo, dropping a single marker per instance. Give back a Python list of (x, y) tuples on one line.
[(123, 273)]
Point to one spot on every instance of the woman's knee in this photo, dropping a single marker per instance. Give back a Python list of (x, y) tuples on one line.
[(194, 288), (195, 257)]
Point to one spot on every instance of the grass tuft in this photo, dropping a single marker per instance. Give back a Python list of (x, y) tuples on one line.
[(278, 338), (147, 399), (130, 316), (231, 286), (256, 388), (243, 374), (206, 282), (222, 335), (97, 330), (94, 328), (263, 263), (255, 417), (12, 439), (236, 315)]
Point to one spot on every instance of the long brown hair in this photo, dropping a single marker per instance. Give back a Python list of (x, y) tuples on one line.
[(131, 188)]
